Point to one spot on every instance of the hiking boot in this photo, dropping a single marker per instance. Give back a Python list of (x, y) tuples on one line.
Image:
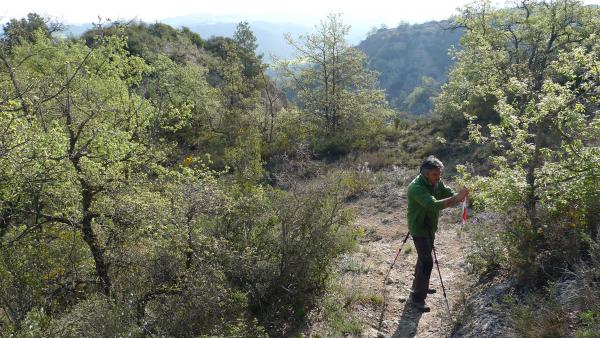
[(420, 305)]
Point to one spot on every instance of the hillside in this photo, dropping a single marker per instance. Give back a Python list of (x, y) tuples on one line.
[(269, 35), (413, 61), (155, 182)]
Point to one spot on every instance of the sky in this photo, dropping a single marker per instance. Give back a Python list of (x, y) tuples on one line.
[(376, 12)]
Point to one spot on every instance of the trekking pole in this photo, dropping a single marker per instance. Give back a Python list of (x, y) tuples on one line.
[(464, 211), (438, 269), (385, 280), (398, 254)]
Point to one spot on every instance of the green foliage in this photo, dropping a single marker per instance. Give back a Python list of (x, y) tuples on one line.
[(589, 321), (354, 265), (586, 333), (207, 92), (357, 182), (98, 316), (150, 40), (334, 89), (487, 256), (372, 299), (185, 99), (420, 100), (314, 232), (187, 108), (131, 201), (25, 30), (339, 318), (291, 134), (245, 39), (524, 83)]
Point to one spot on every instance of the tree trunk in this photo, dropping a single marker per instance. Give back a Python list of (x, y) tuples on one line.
[(87, 195), (534, 163), (97, 253)]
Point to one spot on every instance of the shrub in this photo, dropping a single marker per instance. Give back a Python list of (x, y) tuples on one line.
[(487, 256), (313, 231), (334, 312), (96, 316)]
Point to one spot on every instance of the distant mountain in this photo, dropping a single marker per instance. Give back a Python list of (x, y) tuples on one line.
[(269, 35), (413, 61), (77, 30)]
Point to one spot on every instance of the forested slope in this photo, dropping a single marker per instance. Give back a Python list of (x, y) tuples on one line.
[(413, 61)]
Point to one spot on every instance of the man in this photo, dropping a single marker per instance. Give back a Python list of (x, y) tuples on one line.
[(427, 195)]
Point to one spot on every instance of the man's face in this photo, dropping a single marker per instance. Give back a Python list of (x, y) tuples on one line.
[(433, 176)]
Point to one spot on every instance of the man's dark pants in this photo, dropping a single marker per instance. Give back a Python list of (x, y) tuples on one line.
[(423, 267)]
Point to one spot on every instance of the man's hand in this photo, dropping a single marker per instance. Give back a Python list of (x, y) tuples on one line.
[(458, 198), (462, 194)]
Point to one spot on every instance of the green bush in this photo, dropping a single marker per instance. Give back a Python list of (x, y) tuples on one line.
[(334, 312), (487, 256), (378, 160), (96, 316), (356, 182), (313, 230)]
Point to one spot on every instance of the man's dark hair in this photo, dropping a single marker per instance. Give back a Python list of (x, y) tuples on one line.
[(429, 163)]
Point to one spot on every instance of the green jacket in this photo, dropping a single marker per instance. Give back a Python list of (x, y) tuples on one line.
[(424, 205)]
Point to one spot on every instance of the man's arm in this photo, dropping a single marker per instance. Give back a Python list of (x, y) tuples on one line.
[(424, 198), (446, 191), (454, 200)]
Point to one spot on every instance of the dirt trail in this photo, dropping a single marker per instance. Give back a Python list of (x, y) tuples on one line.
[(383, 216)]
